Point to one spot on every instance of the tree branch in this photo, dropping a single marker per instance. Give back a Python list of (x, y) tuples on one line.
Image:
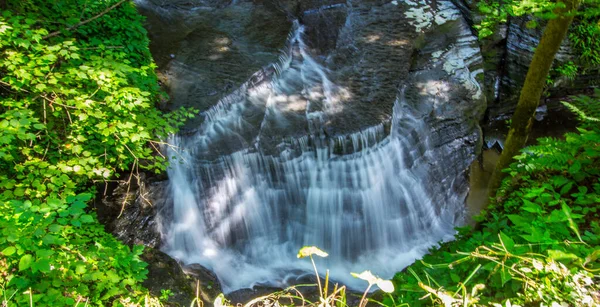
[(87, 21)]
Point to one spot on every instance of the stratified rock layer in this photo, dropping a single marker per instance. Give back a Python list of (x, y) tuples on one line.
[(507, 56), (217, 55)]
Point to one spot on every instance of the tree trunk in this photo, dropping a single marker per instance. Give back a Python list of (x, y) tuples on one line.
[(521, 121)]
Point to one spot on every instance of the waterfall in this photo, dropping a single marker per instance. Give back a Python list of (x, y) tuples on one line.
[(261, 177)]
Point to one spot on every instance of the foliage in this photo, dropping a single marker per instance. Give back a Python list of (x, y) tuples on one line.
[(538, 244), (62, 255), (584, 34), (495, 12), (566, 70), (587, 109), (77, 106), (91, 105), (165, 294), (498, 12), (585, 39)]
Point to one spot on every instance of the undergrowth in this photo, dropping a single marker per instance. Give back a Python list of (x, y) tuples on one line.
[(77, 90), (539, 243)]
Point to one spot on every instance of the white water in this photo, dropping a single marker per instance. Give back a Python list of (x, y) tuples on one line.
[(361, 197)]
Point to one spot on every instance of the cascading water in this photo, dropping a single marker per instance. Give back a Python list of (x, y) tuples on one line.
[(361, 197)]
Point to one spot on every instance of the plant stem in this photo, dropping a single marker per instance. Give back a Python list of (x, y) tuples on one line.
[(363, 301), (317, 275)]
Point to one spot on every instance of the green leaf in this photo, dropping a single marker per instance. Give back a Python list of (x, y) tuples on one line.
[(112, 277), (506, 241), (531, 207), (9, 251), (54, 228), (308, 251), (42, 265), (455, 278), (518, 220), (80, 269), (86, 219), (561, 255), (19, 192), (385, 285), (49, 239), (566, 188), (534, 192), (575, 167), (84, 197), (40, 87), (25, 262), (505, 276)]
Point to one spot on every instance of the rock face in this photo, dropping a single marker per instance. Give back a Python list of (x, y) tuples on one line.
[(127, 211), (185, 284), (447, 74), (368, 54), (205, 49), (507, 56)]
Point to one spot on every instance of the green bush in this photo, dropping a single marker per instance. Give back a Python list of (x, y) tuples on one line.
[(62, 255), (78, 93)]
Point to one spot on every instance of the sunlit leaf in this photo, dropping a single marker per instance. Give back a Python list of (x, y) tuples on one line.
[(308, 251), (385, 285)]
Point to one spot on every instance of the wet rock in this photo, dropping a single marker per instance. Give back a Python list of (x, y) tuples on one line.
[(370, 49), (185, 284), (164, 273), (323, 22), (372, 58), (445, 84), (469, 11), (206, 282), (493, 49), (137, 224), (207, 49), (128, 212)]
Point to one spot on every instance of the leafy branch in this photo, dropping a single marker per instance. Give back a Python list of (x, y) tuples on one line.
[(112, 7)]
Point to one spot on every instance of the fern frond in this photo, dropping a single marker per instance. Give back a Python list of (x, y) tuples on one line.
[(580, 113), (586, 108)]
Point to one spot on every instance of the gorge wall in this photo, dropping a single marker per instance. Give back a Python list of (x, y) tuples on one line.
[(507, 55), (368, 91)]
